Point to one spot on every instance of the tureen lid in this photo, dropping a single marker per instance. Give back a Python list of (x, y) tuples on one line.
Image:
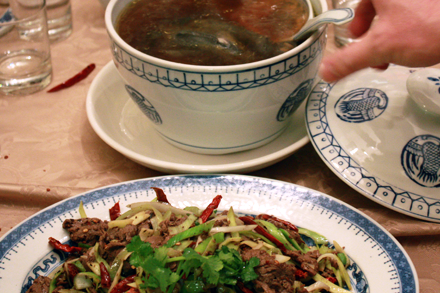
[(380, 132)]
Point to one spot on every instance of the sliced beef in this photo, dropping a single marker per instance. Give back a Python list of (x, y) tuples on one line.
[(223, 213), (61, 283), (85, 230), (87, 257), (111, 251), (115, 239), (127, 269), (156, 240), (221, 223), (308, 261), (123, 235), (172, 221), (326, 273), (40, 285), (263, 256), (147, 223), (273, 277)]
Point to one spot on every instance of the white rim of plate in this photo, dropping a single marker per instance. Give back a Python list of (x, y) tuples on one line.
[(179, 167)]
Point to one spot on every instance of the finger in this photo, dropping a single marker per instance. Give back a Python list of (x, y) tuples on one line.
[(348, 59), (364, 15)]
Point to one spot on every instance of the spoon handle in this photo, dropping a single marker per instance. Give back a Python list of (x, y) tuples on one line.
[(336, 16)]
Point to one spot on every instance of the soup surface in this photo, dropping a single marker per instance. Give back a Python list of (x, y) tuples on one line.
[(211, 32)]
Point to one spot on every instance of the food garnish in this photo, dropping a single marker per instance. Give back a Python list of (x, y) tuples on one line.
[(157, 247)]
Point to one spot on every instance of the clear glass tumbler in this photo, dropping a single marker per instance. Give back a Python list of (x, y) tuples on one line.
[(59, 19), (25, 63), (342, 34)]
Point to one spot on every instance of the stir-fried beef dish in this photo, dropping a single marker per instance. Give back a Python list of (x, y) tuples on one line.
[(156, 247)]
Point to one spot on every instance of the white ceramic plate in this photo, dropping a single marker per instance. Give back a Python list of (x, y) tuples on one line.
[(380, 264), (372, 135), (118, 121), (5, 17)]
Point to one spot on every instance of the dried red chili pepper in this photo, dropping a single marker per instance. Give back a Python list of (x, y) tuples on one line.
[(331, 279), (75, 79), (63, 247), (122, 286), (300, 274), (288, 224), (210, 208), (106, 280), (115, 211), (72, 271), (260, 230), (243, 288), (161, 196)]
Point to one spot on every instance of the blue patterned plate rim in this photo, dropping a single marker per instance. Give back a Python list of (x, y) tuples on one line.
[(4, 19), (303, 206), (7, 16), (412, 204)]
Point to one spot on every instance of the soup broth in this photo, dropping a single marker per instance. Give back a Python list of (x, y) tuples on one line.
[(211, 32)]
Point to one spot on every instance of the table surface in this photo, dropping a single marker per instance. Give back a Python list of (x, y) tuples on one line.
[(49, 152)]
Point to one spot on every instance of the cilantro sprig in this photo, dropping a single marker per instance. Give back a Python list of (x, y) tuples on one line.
[(153, 262), (195, 272)]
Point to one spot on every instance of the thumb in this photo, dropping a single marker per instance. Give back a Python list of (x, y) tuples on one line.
[(347, 60)]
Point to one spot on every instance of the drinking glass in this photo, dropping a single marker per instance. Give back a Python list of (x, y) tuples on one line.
[(342, 34), (59, 19), (25, 64)]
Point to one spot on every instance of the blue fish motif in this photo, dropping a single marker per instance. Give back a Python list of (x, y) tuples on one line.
[(146, 107), (421, 159), (430, 153), (294, 100), (360, 105), (364, 106)]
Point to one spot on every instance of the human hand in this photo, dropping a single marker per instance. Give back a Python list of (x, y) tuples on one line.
[(406, 33)]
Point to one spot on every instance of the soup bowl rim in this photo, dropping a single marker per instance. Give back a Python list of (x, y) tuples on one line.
[(110, 26)]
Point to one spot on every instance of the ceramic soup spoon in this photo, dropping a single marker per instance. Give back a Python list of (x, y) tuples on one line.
[(335, 16)]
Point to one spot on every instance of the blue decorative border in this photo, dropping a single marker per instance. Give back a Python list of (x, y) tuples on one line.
[(351, 172), (4, 19), (219, 82), (397, 261), (235, 147), (7, 16), (46, 265)]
